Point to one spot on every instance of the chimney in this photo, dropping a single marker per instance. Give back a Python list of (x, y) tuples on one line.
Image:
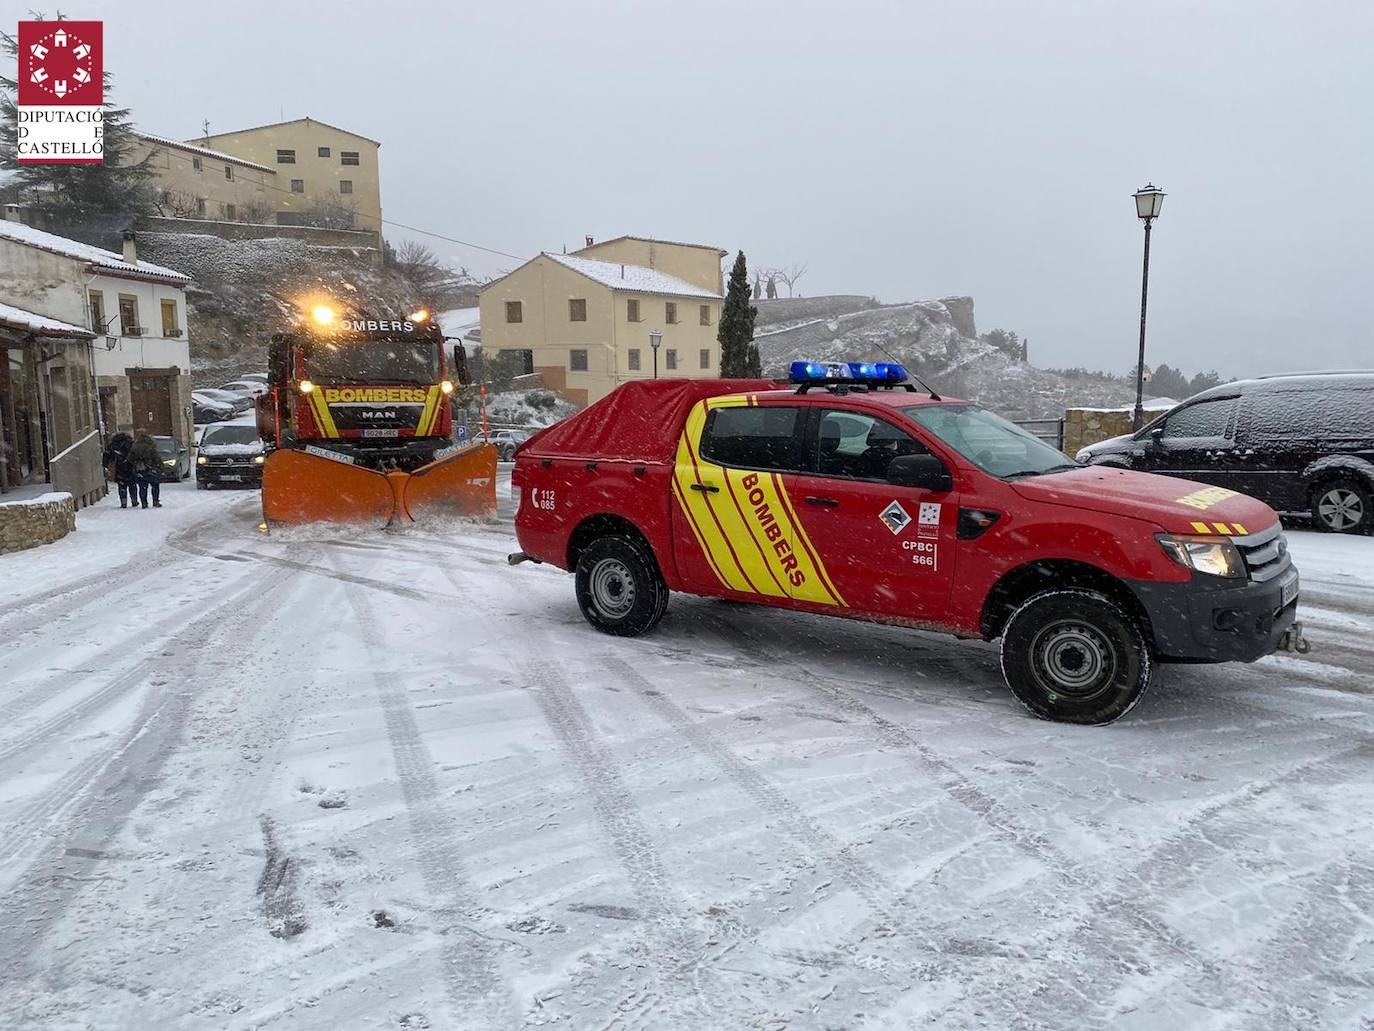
[(590, 241), (130, 247)]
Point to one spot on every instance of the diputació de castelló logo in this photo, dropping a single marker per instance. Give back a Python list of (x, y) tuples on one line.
[(61, 92)]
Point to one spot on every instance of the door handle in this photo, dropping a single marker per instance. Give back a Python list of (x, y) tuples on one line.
[(823, 502), (706, 488)]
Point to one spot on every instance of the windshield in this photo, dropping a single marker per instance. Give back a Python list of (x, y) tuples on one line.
[(372, 361), (166, 445), (993, 444), (230, 435)]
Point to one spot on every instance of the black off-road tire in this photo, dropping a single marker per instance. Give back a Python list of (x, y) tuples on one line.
[(619, 587), (1344, 505), (1075, 656)]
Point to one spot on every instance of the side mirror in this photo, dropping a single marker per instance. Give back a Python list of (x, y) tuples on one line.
[(925, 472), (460, 365), (1156, 435)]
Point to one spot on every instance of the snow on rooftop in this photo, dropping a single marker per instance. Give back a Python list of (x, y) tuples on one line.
[(457, 322), (97, 256), (634, 278), (41, 324), (218, 155)]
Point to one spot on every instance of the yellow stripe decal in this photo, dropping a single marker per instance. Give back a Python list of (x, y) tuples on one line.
[(1222, 528), (1240, 530), (696, 532), (1202, 528), (322, 415), (427, 417), (748, 531), (813, 556)]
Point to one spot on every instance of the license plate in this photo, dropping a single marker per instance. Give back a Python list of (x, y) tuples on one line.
[(381, 433), (1288, 592), (231, 476)]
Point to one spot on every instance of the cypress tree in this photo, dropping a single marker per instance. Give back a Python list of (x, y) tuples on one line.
[(739, 356)]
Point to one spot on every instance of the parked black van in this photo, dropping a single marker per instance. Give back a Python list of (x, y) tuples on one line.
[(1301, 443)]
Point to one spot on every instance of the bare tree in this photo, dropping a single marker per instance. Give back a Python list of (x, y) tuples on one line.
[(324, 214), (790, 274), (178, 204)]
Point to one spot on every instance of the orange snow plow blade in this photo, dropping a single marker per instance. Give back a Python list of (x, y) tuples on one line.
[(301, 487), (461, 483)]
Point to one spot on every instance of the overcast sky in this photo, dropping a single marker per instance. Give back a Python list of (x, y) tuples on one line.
[(904, 150)]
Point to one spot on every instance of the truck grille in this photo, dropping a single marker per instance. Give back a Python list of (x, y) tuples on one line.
[(1265, 553)]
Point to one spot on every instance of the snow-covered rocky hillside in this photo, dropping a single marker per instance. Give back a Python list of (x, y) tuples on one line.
[(242, 292), (935, 339)]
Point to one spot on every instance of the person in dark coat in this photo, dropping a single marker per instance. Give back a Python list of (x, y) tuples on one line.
[(121, 466), (147, 468)]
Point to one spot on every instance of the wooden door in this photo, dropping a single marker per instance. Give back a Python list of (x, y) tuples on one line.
[(151, 400)]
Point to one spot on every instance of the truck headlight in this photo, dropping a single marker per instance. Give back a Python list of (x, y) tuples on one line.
[(200, 460), (1216, 556), (259, 459)]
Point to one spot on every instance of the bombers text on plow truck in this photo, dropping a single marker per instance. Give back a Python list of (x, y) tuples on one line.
[(359, 420), (855, 495)]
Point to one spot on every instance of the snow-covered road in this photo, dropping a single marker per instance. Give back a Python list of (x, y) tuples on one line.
[(382, 780)]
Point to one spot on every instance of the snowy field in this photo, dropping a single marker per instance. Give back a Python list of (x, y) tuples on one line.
[(382, 780)]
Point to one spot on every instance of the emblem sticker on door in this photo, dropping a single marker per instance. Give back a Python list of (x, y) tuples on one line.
[(928, 524), (895, 517)]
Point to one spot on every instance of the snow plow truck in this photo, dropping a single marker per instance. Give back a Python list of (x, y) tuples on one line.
[(360, 426)]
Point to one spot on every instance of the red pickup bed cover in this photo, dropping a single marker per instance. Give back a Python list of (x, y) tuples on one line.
[(637, 422)]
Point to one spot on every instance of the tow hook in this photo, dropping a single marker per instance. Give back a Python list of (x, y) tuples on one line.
[(1294, 641), (515, 558)]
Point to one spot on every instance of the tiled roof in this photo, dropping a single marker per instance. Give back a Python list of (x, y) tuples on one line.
[(205, 152), (631, 278), (18, 318), (106, 261)]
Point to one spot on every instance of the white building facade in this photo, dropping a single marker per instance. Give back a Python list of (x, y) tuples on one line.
[(140, 355)]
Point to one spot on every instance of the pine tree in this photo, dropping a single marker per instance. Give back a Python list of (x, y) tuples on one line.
[(739, 356), (72, 193)]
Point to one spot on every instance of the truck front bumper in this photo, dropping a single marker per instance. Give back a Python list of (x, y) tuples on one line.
[(1210, 620)]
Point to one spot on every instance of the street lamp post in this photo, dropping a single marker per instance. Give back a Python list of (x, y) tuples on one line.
[(655, 338), (1149, 199)]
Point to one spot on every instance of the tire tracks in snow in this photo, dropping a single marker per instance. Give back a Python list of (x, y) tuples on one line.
[(665, 942), (107, 788), (670, 944), (1102, 905), (475, 985), (882, 897), (41, 735)]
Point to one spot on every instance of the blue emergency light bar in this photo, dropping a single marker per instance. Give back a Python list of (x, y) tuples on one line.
[(819, 373)]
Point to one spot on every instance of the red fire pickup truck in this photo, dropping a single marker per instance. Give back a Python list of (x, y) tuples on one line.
[(851, 493)]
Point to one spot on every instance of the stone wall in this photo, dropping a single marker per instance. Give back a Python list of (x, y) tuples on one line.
[(359, 238), (27, 524), (1084, 426)]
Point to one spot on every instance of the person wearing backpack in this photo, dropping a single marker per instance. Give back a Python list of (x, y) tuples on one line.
[(147, 468), (121, 466)]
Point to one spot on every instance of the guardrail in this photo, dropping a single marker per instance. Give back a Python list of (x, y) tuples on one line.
[(1051, 431), (78, 471)]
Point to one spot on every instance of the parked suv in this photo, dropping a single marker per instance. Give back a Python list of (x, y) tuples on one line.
[(1302, 444)]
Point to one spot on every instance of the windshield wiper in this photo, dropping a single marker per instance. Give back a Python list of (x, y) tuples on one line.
[(1042, 472)]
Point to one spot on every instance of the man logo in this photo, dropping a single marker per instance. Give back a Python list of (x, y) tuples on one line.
[(895, 518)]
